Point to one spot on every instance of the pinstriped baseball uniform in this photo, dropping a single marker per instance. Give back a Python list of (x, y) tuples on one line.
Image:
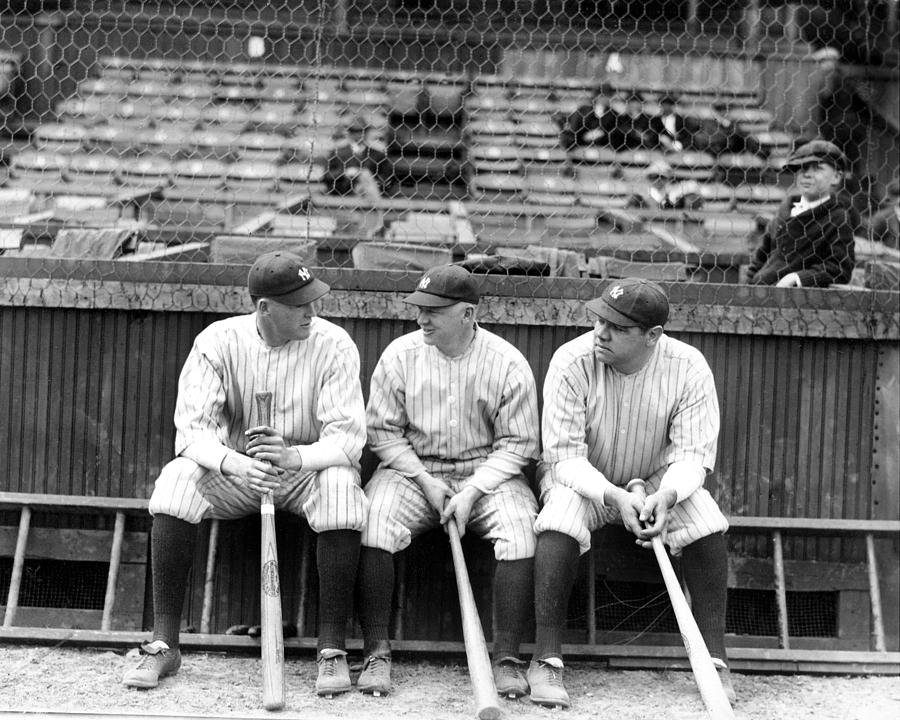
[(467, 419), (316, 404), (628, 426)]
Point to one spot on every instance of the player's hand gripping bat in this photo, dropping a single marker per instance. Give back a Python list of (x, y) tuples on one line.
[(705, 674), (271, 634)]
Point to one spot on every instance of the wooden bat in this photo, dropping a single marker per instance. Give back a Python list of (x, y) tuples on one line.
[(705, 674), (271, 633), (487, 704)]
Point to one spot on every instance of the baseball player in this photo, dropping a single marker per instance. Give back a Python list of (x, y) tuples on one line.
[(453, 418), (226, 457), (626, 402)]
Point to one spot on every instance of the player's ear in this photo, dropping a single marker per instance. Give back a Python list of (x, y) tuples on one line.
[(262, 306), (653, 334)]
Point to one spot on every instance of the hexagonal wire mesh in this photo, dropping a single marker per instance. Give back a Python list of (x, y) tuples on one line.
[(542, 137)]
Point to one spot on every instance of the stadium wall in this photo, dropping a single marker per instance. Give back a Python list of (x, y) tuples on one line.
[(90, 354)]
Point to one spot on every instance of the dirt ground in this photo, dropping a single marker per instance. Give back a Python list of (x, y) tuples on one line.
[(87, 680)]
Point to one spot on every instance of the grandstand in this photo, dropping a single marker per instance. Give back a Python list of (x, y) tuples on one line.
[(152, 150)]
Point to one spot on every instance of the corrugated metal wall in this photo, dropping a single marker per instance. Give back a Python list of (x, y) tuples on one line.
[(89, 395)]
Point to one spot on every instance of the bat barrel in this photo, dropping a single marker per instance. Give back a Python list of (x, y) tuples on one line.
[(480, 671)]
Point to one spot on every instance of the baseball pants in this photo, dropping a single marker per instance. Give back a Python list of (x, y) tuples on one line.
[(329, 499), (567, 512), (399, 511)]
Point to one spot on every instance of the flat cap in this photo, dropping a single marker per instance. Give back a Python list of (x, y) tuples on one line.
[(817, 151)]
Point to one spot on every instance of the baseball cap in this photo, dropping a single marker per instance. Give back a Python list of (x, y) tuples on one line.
[(632, 302), (444, 285), (816, 151), (283, 277)]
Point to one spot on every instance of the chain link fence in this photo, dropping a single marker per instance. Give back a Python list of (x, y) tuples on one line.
[(549, 138)]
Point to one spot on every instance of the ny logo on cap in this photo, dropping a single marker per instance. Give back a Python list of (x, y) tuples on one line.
[(616, 292), (304, 273), (425, 283)]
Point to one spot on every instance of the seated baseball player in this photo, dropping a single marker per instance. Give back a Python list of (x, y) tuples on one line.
[(809, 242), (453, 419), (621, 403), (227, 457)]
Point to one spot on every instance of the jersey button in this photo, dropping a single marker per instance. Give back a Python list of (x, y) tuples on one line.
[(453, 423), (451, 399)]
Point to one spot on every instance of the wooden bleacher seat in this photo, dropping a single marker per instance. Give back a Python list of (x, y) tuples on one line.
[(299, 176), (494, 159), (550, 190), (181, 115), (374, 255), (194, 173), (698, 166), (444, 96), (633, 164), (165, 141), (92, 169), (115, 140), (406, 96), (244, 249), (278, 119), (260, 146), (145, 172), (481, 106), (251, 175), (774, 142), (30, 167), (610, 267), (717, 197), (542, 134), (750, 120), (490, 132), (544, 161), (87, 110), (601, 193), (64, 138), (495, 186), (532, 108), (732, 225), (759, 197)]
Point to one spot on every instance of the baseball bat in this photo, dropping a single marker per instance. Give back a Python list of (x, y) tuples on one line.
[(271, 633), (705, 674), (487, 704)]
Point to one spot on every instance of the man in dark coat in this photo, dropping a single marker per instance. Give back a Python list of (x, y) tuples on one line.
[(592, 124), (809, 242)]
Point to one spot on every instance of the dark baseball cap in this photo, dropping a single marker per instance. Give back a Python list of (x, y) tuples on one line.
[(817, 151), (632, 302), (444, 285), (282, 277)]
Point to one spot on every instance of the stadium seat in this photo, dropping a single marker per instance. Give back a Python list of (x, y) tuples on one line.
[(251, 175), (167, 141), (185, 116), (691, 165), (544, 161), (94, 169), (610, 267), (214, 144), (374, 255), (491, 132), (543, 134), (226, 118), (63, 138), (717, 197), (759, 198), (280, 119), (750, 120), (299, 176), (599, 193), (200, 174), (115, 140), (31, 167), (736, 169), (494, 159), (244, 249), (260, 146), (774, 143), (550, 190), (495, 186), (145, 172)]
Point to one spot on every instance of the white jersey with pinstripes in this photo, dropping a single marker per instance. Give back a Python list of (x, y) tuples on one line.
[(316, 394), (472, 414), (629, 426)]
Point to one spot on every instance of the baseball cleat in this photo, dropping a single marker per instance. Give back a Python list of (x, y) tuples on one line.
[(545, 678), (375, 677), (508, 678), (157, 661), (334, 675)]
